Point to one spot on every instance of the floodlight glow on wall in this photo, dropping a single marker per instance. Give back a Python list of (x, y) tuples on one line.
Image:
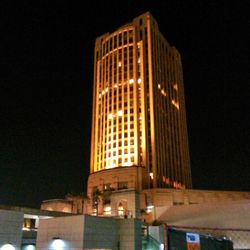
[(30, 247), (57, 244), (7, 247)]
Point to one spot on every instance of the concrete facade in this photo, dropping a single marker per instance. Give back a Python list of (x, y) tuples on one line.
[(148, 204), (61, 205), (117, 186), (11, 223), (229, 219), (19, 225), (129, 200), (73, 205), (133, 177), (154, 202), (89, 232)]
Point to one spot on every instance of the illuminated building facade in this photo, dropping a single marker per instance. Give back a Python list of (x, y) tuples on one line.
[(139, 118)]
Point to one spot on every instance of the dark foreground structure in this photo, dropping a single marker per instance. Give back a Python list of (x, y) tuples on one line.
[(178, 239)]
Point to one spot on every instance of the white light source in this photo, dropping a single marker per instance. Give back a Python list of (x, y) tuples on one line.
[(30, 247), (120, 113), (7, 247), (149, 208), (58, 244)]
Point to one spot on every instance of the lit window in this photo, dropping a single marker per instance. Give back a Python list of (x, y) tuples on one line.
[(120, 113), (120, 209), (139, 60), (94, 211), (110, 116), (139, 80), (163, 92), (115, 85), (107, 210), (128, 164), (106, 90), (175, 86), (131, 81), (151, 176), (149, 208), (122, 185), (159, 86), (175, 103), (103, 92), (119, 64)]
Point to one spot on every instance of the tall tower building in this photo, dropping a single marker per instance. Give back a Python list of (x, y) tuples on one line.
[(139, 120)]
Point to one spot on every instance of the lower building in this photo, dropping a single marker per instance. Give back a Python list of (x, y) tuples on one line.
[(89, 232), (10, 230), (154, 202), (19, 226), (124, 192), (221, 214), (129, 219), (225, 220)]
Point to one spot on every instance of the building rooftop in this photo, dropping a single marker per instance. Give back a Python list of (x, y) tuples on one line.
[(33, 211)]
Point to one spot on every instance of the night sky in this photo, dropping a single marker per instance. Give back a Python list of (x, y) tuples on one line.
[(46, 76)]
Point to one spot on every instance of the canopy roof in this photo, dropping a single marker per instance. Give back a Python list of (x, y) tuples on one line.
[(226, 215)]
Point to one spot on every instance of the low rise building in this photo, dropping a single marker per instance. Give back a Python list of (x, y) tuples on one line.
[(19, 225), (89, 232)]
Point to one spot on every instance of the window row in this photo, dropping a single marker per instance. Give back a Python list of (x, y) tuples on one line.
[(119, 136), (119, 153), (125, 159), (115, 41)]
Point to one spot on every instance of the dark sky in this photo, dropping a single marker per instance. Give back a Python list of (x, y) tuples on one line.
[(46, 72)]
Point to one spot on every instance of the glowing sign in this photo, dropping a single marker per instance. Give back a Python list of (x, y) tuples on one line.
[(193, 241)]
